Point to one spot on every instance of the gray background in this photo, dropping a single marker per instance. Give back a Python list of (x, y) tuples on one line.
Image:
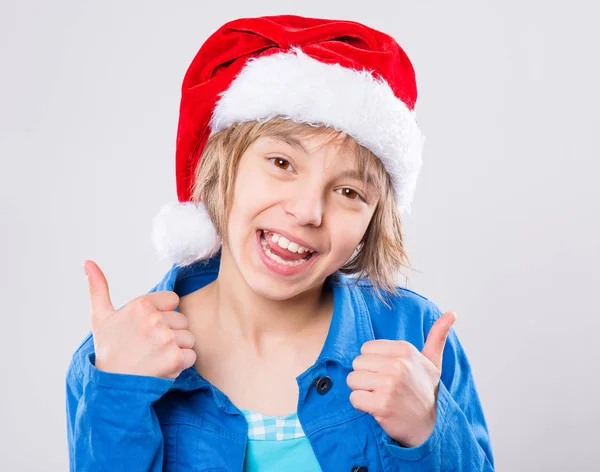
[(504, 228)]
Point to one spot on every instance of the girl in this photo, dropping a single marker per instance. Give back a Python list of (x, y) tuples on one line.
[(279, 339)]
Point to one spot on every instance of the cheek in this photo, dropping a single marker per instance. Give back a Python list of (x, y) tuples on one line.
[(346, 235), (250, 200), (249, 193), (249, 203)]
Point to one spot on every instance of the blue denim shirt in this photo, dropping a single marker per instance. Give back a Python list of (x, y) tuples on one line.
[(122, 422)]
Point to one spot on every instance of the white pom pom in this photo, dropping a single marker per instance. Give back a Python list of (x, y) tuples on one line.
[(183, 233)]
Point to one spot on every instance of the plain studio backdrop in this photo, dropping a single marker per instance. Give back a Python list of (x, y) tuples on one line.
[(504, 228)]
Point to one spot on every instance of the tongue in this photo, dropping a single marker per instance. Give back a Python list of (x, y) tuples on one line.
[(281, 252)]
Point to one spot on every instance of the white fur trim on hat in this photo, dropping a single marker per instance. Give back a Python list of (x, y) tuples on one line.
[(183, 233), (295, 86)]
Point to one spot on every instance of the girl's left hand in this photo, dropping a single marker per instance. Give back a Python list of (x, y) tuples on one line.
[(398, 385)]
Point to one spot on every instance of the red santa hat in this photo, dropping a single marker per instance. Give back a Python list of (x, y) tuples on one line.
[(337, 73)]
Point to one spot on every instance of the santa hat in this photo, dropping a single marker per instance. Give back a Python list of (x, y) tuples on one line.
[(340, 74)]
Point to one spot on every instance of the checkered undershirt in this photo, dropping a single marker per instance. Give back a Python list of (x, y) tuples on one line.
[(272, 428)]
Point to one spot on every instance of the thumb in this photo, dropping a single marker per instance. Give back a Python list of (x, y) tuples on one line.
[(100, 303), (436, 340)]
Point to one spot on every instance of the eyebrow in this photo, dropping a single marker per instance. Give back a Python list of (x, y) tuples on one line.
[(354, 174), (290, 141)]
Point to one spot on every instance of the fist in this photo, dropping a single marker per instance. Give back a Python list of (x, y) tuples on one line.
[(398, 385), (145, 337)]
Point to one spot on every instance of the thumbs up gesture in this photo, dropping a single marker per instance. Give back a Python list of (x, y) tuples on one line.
[(145, 337), (398, 385)]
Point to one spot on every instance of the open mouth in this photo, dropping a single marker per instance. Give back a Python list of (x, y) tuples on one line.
[(284, 252)]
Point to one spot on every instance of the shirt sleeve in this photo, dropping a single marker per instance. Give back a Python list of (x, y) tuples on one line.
[(111, 424), (460, 439)]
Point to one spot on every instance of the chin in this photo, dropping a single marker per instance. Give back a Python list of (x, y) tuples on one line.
[(275, 293), (275, 287)]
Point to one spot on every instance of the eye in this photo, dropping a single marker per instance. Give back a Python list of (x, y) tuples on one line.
[(351, 194), (282, 163)]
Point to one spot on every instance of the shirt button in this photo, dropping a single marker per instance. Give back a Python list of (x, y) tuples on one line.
[(323, 385), (362, 468)]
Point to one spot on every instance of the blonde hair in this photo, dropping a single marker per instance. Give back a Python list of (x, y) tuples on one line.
[(379, 254)]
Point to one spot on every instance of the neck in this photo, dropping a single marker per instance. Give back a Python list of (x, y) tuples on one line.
[(263, 324)]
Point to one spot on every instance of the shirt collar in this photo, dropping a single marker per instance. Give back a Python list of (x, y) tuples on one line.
[(350, 324)]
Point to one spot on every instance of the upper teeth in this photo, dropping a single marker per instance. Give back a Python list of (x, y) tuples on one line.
[(285, 243)]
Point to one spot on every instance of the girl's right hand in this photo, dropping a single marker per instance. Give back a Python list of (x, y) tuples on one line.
[(145, 337)]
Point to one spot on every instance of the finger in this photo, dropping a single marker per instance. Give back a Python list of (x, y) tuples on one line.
[(363, 400), (362, 380), (184, 338), (163, 300), (100, 303), (176, 320), (436, 340), (189, 357), (389, 347), (377, 363)]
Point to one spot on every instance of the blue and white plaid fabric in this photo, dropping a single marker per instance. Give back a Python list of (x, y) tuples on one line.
[(272, 428)]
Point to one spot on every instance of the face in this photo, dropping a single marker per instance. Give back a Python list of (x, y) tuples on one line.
[(290, 196)]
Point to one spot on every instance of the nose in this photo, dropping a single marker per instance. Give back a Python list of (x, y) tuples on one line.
[(306, 207)]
